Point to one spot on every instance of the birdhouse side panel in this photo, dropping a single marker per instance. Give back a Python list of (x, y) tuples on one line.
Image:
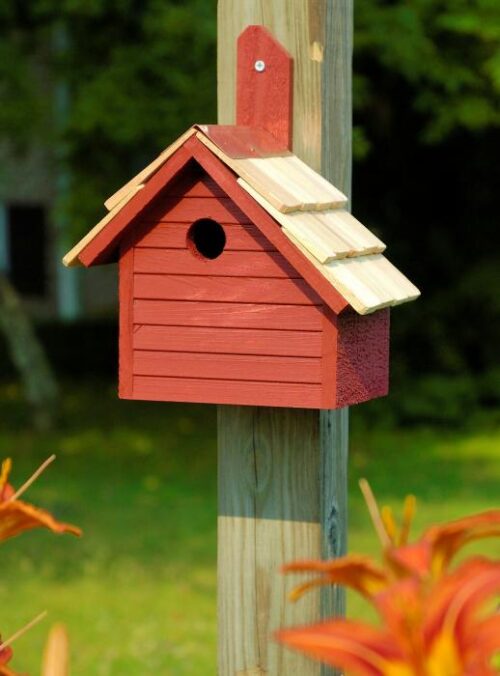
[(362, 357), (239, 328)]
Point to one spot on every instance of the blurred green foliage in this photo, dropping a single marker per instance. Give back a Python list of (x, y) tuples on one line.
[(139, 72), (447, 51), (426, 139)]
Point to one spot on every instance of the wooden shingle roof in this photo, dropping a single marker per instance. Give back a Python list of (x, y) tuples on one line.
[(311, 211)]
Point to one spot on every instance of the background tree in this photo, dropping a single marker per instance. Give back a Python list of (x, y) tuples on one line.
[(28, 356)]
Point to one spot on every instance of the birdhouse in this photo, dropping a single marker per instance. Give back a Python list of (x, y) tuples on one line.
[(243, 278)]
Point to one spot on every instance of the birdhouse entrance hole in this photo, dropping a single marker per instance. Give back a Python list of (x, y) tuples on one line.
[(206, 238)]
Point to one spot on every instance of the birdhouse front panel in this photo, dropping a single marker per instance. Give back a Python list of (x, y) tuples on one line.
[(244, 279), (211, 311)]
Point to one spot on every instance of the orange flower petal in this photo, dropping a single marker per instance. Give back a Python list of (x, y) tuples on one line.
[(434, 551), (351, 646), (401, 608), (464, 611), (446, 540), (485, 645), (17, 516), (415, 559), (6, 671), (356, 572), (443, 657), (454, 587), (5, 657), (5, 654), (454, 609), (434, 622)]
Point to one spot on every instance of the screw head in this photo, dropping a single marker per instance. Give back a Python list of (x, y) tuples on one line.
[(260, 66)]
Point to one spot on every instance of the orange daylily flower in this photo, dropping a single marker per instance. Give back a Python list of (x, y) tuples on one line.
[(434, 621), (354, 647), (455, 619), (5, 657), (435, 629), (430, 556), (441, 627), (354, 571), (17, 516), (433, 553)]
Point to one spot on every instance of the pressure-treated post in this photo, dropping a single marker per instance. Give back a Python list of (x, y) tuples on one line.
[(282, 472)]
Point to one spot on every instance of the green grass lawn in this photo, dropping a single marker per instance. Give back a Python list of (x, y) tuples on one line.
[(138, 591)]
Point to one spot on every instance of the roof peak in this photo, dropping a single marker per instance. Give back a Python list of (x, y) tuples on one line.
[(276, 185)]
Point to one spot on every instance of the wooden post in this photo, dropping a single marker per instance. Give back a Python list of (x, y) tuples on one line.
[(282, 472)]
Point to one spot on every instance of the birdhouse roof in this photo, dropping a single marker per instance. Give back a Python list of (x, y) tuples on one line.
[(311, 212)]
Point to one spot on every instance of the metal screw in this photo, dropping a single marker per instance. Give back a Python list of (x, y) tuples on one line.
[(260, 66)]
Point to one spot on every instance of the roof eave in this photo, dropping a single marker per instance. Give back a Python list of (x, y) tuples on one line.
[(101, 244)]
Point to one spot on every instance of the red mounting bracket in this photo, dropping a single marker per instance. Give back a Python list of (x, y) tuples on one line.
[(265, 84)]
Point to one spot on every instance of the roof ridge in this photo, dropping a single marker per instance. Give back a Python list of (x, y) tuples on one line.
[(311, 212)]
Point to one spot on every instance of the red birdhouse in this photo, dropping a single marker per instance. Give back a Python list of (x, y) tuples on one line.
[(243, 277)]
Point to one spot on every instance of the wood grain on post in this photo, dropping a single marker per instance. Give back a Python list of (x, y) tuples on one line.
[(283, 472)]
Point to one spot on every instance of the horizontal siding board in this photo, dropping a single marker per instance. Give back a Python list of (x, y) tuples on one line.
[(226, 289), (227, 366), (189, 209), (174, 235), (227, 341), (249, 393), (235, 315), (228, 264), (195, 183)]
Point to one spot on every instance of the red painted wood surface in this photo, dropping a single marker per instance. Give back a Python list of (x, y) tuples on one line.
[(231, 315), (195, 183), (235, 263), (126, 297), (362, 357), (190, 209), (249, 327), (244, 393), (241, 319), (264, 99), (220, 340), (226, 289), (228, 367), (329, 346), (244, 237)]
